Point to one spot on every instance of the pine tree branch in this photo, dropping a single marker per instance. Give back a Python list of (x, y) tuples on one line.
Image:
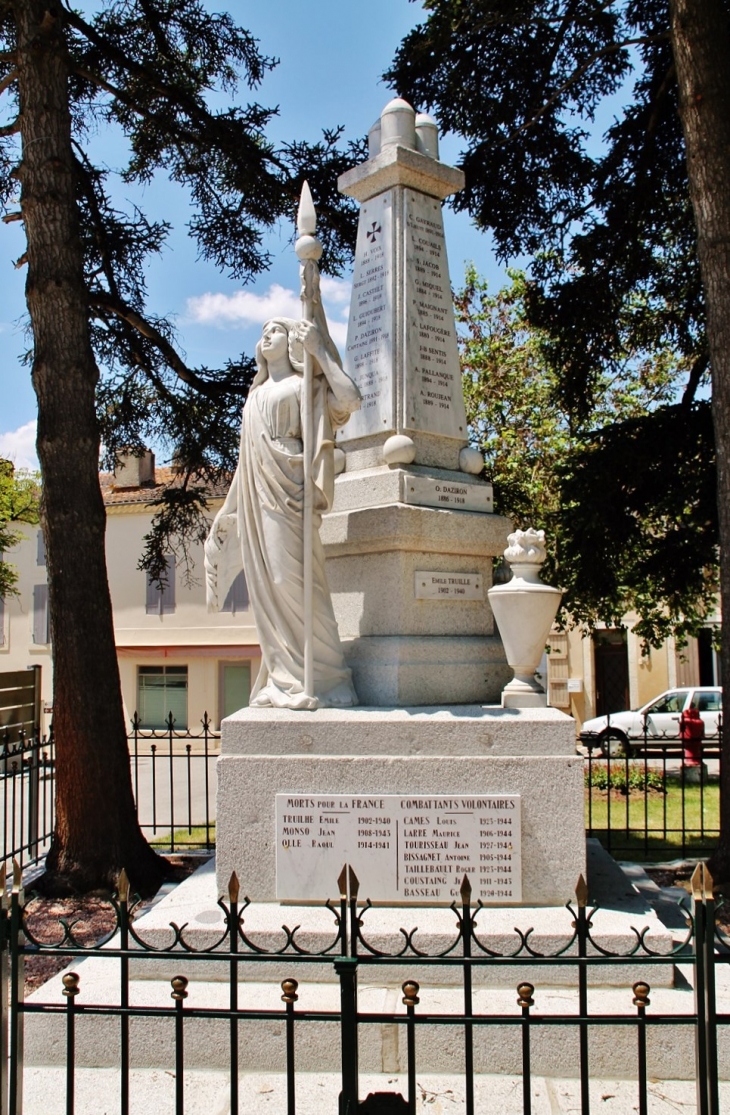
[(578, 73), (696, 372), (104, 302), (8, 80), (176, 94)]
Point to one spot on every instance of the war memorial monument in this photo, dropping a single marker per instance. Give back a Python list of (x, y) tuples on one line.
[(393, 747)]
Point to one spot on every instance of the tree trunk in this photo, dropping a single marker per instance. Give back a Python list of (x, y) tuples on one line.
[(96, 832), (700, 32)]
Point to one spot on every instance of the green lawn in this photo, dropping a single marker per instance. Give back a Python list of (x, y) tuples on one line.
[(186, 839), (650, 827)]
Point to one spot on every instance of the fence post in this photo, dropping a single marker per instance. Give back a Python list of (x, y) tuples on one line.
[(704, 992), (4, 992), (641, 1002), (708, 948), (411, 1000), (70, 990), (346, 969), (582, 927), (289, 987), (466, 925), (233, 893), (179, 994), (17, 994), (123, 898), (698, 913), (525, 1001)]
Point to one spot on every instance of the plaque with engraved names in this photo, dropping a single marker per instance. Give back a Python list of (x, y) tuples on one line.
[(430, 491), (434, 400), (404, 849), (369, 350), (448, 586)]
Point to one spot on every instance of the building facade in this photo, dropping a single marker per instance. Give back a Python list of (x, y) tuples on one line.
[(174, 656), (610, 671)]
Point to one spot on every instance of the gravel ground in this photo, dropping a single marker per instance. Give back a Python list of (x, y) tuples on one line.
[(92, 918)]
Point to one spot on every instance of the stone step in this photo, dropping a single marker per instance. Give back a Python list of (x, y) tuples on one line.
[(152, 1092), (497, 1046)]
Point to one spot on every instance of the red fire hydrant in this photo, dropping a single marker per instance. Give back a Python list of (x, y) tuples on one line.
[(692, 732)]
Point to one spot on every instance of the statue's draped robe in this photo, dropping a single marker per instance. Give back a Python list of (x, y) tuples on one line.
[(261, 524)]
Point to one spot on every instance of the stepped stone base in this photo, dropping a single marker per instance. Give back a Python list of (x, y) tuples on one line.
[(412, 751)]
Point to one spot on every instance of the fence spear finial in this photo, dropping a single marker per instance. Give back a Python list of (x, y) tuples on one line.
[(581, 892), (123, 886)]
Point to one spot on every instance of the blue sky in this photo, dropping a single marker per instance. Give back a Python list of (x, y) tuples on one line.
[(332, 55)]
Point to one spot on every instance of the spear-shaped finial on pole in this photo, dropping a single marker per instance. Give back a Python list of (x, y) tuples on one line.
[(308, 250)]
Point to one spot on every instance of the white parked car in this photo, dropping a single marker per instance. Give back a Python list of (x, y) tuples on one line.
[(657, 722)]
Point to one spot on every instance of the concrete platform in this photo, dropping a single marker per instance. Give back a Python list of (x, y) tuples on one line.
[(152, 1092)]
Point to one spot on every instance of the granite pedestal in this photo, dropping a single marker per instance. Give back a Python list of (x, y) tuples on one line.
[(463, 749)]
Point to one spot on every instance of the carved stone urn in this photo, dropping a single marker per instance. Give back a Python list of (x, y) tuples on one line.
[(524, 609)]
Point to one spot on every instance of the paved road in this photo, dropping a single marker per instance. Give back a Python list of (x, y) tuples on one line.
[(160, 782)]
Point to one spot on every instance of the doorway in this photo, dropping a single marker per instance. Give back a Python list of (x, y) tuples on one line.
[(234, 687), (611, 659)]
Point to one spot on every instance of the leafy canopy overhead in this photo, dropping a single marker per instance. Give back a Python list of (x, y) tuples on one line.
[(614, 288), (623, 517), (154, 73), (609, 224)]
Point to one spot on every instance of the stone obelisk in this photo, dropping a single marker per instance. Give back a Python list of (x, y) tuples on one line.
[(411, 536)]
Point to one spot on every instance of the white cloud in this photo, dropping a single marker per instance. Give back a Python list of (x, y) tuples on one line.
[(244, 308), (18, 446), (336, 290)]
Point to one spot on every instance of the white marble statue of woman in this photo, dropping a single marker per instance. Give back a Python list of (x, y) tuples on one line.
[(261, 522)]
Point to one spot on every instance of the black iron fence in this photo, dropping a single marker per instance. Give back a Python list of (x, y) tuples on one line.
[(649, 797), (353, 950), (173, 778)]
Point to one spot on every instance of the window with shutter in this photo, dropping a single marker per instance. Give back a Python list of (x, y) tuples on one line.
[(237, 599), (40, 549), (558, 696), (41, 629), (160, 602)]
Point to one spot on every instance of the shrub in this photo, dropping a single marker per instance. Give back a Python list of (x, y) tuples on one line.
[(624, 778)]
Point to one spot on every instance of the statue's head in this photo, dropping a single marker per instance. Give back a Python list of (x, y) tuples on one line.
[(294, 346)]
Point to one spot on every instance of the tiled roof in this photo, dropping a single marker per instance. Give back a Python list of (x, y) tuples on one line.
[(148, 493)]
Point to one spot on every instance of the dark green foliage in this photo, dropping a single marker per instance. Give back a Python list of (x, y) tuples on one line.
[(637, 523), (614, 281), (610, 226), (155, 72)]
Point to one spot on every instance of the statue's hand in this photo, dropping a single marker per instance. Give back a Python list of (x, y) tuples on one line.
[(311, 337)]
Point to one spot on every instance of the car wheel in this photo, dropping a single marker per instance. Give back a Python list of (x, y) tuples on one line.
[(614, 744)]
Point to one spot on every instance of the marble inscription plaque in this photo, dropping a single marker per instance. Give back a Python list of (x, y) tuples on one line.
[(449, 586), (404, 849), (434, 401), (369, 350), (428, 491)]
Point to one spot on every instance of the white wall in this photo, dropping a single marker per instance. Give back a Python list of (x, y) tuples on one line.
[(190, 636)]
